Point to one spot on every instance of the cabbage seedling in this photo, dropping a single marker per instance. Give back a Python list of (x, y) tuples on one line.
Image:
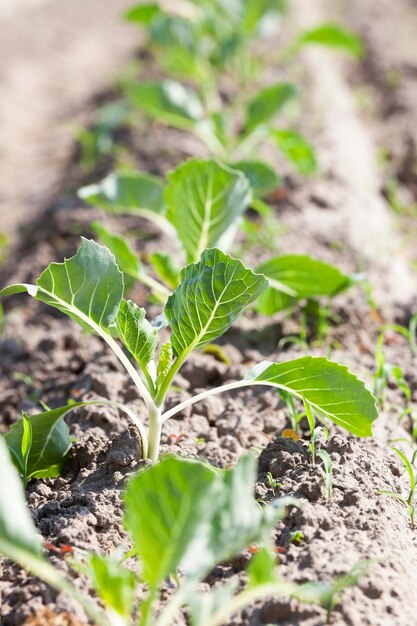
[(211, 294), (201, 206), (184, 517), (202, 46)]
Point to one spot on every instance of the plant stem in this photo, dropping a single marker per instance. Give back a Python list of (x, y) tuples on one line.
[(146, 609), (201, 396), (249, 143), (134, 374), (229, 387), (157, 288), (249, 596), (204, 132), (155, 425)]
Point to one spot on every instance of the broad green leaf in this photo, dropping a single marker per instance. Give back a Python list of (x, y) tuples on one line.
[(293, 277), (114, 583), (204, 199), (186, 514), (166, 268), (235, 520), (173, 32), (20, 542), (260, 16), (143, 13), (211, 295), (136, 332), (176, 40), (274, 300), (126, 193), (296, 149), (165, 506), (267, 103), (262, 177), (169, 102), (125, 256), (50, 441), (333, 36), (88, 287), (17, 532), (330, 389)]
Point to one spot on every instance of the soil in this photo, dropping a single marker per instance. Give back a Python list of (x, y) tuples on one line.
[(344, 217)]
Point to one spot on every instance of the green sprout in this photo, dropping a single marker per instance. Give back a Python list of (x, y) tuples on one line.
[(407, 501)]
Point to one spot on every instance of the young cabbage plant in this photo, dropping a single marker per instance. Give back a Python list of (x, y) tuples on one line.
[(208, 42), (201, 205), (204, 40), (171, 103), (204, 43), (211, 294), (184, 517)]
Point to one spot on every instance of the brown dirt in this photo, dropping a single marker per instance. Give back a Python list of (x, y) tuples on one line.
[(44, 357), (55, 56)]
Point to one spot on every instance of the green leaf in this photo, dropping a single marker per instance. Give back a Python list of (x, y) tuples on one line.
[(408, 467), (261, 568), (114, 583), (211, 295), (166, 268), (331, 390), (267, 103), (20, 542), (259, 16), (88, 287), (262, 177), (174, 34), (125, 256), (26, 443), (129, 193), (136, 332), (293, 277), (165, 505), (333, 36), (17, 532), (296, 149), (169, 102), (204, 199), (184, 513), (50, 442), (164, 363), (143, 13)]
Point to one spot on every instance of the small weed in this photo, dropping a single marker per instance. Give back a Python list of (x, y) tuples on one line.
[(272, 482), (328, 472), (407, 501), (296, 536)]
